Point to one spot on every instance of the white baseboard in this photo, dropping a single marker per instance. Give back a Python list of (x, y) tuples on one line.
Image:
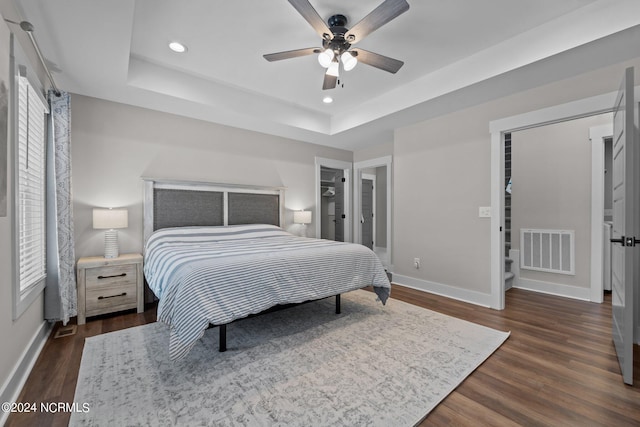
[(464, 295), (557, 289), (13, 385)]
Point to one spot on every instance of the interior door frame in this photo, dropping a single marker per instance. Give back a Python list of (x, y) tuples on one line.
[(498, 128), (346, 168), (597, 135), (371, 178), (358, 168)]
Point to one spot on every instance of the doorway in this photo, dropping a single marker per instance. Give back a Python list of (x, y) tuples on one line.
[(577, 109), (368, 215), (550, 210), (332, 204), (372, 207), (333, 199)]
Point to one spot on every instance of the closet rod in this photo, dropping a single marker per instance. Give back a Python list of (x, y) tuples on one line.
[(27, 27)]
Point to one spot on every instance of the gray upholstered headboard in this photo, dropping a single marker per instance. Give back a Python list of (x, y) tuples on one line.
[(185, 203)]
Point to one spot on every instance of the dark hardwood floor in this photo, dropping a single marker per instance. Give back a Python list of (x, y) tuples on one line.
[(558, 367)]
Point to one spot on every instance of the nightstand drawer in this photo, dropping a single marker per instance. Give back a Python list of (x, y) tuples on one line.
[(105, 299), (107, 285), (117, 275)]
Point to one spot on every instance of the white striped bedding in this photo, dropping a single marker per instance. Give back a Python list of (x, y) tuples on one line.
[(214, 275)]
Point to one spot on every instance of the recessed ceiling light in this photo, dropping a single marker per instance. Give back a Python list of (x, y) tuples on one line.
[(177, 47), (327, 100)]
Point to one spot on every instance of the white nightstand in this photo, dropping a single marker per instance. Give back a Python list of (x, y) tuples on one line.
[(106, 285)]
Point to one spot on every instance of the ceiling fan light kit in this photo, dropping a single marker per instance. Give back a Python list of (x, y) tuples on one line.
[(333, 69), (337, 40), (326, 57), (349, 61)]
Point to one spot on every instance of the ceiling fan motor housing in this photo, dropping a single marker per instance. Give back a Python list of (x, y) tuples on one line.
[(338, 43), (337, 21)]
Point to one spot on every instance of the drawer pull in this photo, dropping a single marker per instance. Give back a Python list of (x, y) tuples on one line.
[(113, 296), (110, 277)]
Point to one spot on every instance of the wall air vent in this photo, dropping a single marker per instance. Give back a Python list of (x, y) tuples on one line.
[(552, 251)]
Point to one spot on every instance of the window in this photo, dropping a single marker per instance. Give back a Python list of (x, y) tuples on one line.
[(30, 195)]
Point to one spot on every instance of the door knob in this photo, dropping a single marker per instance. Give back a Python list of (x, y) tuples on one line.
[(630, 241)]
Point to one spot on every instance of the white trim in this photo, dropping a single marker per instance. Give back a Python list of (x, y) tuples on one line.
[(557, 289), (13, 385), (346, 168), (559, 113), (497, 220), (453, 292), (573, 110), (597, 135), (357, 190), (211, 186)]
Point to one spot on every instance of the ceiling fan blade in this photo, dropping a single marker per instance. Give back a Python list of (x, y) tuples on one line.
[(388, 10), (290, 54), (330, 82), (379, 61), (307, 11)]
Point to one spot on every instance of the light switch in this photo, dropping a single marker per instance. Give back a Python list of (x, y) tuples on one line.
[(484, 211)]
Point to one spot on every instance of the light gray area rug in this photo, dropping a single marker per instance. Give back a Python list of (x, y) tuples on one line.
[(304, 366)]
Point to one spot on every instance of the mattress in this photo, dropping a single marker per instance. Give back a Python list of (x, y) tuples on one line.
[(215, 275)]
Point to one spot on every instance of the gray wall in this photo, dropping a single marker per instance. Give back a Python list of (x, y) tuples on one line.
[(551, 189), (114, 145)]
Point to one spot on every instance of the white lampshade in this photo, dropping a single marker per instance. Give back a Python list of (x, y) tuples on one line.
[(325, 57), (348, 61), (333, 69), (302, 217), (110, 218)]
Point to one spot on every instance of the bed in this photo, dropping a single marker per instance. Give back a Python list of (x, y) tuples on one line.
[(217, 253)]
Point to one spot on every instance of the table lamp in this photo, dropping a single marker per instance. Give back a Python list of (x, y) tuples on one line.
[(109, 220), (302, 217)]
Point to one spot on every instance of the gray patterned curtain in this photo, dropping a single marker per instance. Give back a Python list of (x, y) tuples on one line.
[(60, 291)]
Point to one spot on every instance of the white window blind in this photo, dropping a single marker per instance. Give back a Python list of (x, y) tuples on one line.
[(31, 186)]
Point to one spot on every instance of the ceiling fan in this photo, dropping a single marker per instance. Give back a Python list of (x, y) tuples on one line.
[(337, 40)]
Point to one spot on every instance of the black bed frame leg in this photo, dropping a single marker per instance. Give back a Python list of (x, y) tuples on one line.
[(338, 304), (223, 338)]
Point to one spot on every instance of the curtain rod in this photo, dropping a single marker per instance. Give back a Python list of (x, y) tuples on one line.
[(27, 27)]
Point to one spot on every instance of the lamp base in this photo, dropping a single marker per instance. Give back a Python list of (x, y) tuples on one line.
[(111, 244)]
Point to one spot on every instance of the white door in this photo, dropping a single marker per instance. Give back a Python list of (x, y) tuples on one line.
[(625, 223), (339, 200), (366, 216)]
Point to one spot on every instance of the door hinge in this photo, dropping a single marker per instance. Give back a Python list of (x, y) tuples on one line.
[(344, 179), (632, 241)]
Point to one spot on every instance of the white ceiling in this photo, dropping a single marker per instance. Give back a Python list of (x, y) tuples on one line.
[(117, 50)]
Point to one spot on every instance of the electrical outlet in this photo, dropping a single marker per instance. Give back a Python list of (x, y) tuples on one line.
[(416, 263)]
